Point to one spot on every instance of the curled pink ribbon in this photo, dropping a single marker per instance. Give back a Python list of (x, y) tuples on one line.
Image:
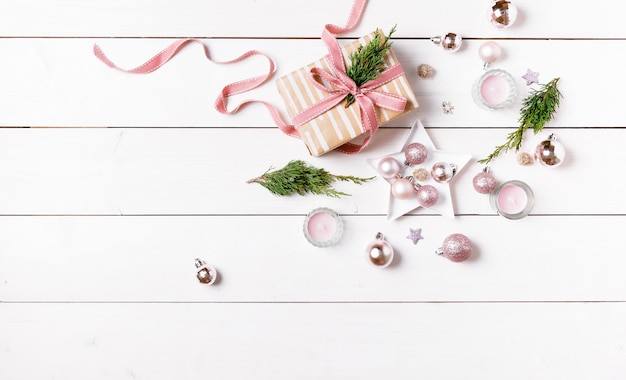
[(365, 94)]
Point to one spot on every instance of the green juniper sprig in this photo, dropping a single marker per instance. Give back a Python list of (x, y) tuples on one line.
[(300, 178), (537, 109), (368, 62)]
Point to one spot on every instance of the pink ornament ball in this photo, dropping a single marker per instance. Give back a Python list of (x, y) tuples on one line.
[(402, 188), (457, 247), (415, 153), (389, 167), (427, 196), (484, 182)]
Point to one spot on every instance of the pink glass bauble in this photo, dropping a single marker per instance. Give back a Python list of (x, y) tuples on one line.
[(456, 247), (489, 52), (550, 152), (443, 172), (484, 182), (402, 188), (415, 153), (379, 252), (389, 167), (427, 195), (502, 14)]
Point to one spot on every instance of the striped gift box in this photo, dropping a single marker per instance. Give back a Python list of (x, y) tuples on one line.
[(340, 124)]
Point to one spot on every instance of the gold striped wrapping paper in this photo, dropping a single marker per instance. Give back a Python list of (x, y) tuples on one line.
[(338, 125)]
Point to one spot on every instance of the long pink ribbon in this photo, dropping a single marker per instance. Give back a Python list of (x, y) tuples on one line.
[(229, 90), (365, 95)]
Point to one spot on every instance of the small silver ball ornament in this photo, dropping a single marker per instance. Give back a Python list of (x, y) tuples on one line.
[(449, 42), (550, 152), (443, 172), (379, 252), (502, 14)]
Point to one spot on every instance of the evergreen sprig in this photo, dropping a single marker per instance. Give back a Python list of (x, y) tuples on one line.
[(301, 178), (537, 109), (368, 62)]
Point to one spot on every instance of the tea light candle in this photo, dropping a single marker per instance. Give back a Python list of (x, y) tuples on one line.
[(495, 89), (323, 227), (513, 199)]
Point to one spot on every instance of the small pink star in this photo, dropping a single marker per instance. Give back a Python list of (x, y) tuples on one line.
[(415, 235), (531, 77)]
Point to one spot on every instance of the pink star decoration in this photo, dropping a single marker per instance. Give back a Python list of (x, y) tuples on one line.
[(399, 207), (415, 235), (530, 77)]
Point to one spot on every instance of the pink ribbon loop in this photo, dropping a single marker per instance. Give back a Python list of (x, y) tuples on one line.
[(341, 85)]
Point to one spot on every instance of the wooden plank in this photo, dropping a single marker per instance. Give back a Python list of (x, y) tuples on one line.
[(204, 171), (267, 259), (61, 83), (313, 341), (275, 18)]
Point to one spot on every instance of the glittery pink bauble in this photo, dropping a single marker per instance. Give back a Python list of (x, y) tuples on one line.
[(402, 188), (389, 167), (427, 195), (484, 182), (415, 153), (457, 247)]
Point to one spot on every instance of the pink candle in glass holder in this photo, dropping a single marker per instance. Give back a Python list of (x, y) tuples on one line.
[(513, 199), (323, 227), (495, 89)]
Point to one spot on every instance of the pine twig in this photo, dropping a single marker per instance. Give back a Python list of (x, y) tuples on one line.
[(300, 178), (368, 62), (537, 110)]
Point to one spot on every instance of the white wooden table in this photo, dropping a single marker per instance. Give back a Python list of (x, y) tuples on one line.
[(100, 225)]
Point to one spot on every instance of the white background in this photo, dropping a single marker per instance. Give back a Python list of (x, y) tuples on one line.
[(103, 211)]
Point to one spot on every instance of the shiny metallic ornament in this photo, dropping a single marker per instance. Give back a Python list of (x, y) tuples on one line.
[(550, 152), (456, 247), (443, 172), (389, 167), (206, 273), (484, 182), (415, 153), (379, 252), (502, 14), (427, 195), (450, 42)]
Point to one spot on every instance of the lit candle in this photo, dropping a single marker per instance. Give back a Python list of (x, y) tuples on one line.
[(323, 227), (513, 199), (495, 89)]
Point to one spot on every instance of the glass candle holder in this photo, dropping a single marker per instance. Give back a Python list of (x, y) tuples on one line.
[(495, 89), (512, 199), (323, 227)]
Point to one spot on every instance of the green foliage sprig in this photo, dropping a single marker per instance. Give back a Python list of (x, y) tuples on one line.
[(368, 62), (537, 109), (300, 178)]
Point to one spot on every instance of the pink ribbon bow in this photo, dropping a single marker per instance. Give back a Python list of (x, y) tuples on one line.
[(366, 95)]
